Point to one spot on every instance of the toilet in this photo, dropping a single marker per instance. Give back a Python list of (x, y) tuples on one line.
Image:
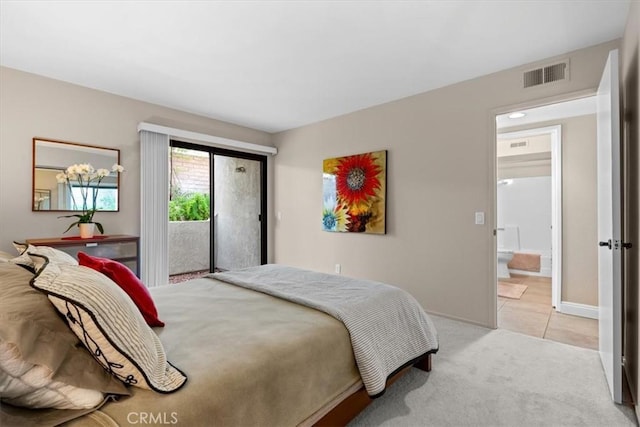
[(508, 243)]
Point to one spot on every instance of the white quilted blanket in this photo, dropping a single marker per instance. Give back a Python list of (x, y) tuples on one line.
[(388, 327)]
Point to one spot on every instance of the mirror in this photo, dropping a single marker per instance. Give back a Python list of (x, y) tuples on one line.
[(53, 157)]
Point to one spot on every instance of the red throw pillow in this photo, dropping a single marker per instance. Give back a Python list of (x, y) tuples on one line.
[(124, 277), (90, 261)]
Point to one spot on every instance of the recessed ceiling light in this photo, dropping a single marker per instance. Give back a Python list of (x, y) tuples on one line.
[(516, 115)]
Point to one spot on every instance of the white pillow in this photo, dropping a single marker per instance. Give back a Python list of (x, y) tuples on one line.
[(110, 326), (31, 386), (54, 255), (25, 261)]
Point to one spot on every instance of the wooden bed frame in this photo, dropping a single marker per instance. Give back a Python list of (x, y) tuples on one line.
[(349, 408)]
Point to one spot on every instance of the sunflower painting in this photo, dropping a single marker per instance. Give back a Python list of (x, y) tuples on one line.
[(353, 193)]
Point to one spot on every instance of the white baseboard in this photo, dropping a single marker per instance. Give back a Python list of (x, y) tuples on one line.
[(576, 309), (460, 319)]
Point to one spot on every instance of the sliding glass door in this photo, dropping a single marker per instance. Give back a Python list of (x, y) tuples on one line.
[(218, 201), (237, 215)]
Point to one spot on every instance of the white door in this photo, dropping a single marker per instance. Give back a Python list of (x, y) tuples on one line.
[(609, 227)]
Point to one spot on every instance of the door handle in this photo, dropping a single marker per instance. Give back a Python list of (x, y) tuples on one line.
[(608, 244)]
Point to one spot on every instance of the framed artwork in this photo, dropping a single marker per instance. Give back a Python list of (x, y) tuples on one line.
[(354, 193)]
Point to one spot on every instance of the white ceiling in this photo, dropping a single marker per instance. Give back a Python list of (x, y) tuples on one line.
[(277, 65)]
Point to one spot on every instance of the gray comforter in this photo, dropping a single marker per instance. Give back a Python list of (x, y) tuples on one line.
[(251, 359), (387, 326)]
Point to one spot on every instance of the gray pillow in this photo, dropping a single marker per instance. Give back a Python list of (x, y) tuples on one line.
[(32, 326), (5, 256)]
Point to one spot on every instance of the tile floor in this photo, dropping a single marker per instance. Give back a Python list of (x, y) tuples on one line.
[(532, 314)]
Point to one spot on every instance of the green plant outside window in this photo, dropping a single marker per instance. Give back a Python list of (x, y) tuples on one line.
[(189, 207)]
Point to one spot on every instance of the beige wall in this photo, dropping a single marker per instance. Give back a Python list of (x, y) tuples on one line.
[(579, 207), (630, 63), (521, 162), (579, 211), (32, 105), (432, 248), (525, 169), (440, 171)]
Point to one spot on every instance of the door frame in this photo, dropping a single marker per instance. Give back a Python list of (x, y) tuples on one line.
[(263, 190), (493, 176), (555, 134)]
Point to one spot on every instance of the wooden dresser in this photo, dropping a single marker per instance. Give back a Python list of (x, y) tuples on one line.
[(118, 247)]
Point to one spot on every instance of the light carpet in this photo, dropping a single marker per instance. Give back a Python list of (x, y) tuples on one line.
[(485, 377), (511, 290)]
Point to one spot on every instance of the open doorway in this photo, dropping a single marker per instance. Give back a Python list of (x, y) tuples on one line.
[(546, 215), (217, 200)]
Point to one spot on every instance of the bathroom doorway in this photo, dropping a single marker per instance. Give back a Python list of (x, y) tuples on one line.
[(529, 205), (540, 250)]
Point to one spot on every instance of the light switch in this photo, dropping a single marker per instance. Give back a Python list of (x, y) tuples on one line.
[(479, 218)]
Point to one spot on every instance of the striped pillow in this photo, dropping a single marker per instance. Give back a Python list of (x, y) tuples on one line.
[(110, 326), (53, 254)]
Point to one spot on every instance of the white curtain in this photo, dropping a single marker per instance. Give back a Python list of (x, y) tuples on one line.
[(154, 208)]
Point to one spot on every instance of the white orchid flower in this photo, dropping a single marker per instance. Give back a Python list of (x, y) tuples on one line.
[(101, 173), (61, 178), (88, 180), (86, 169)]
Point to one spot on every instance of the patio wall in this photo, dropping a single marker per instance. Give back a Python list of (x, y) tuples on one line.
[(188, 246)]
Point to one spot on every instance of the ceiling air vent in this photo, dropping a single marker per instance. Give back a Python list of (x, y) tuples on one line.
[(548, 74), (518, 144)]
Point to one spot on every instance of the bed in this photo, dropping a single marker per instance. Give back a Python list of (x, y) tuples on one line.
[(251, 356)]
